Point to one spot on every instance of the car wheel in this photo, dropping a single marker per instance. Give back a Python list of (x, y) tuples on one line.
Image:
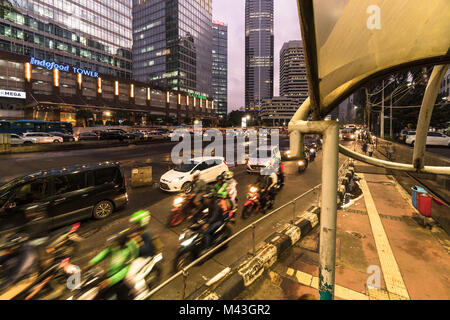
[(28, 142), (412, 143), (103, 209), (56, 141), (187, 187)]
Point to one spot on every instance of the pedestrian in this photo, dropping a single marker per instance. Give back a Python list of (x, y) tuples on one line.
[(364, 147), (370, 149), (390, 151)]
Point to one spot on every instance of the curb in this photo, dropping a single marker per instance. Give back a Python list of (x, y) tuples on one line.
[(249, 268)]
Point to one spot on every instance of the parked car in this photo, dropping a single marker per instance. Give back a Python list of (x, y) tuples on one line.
[(88, 136), (180, 178), (111, 135), (64, 195), (42, 137), (17, 140), (433, 139), (66, 136), (264, 158)]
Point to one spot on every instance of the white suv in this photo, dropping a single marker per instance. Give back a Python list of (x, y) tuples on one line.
[(180, 178), (433, 139), (41, 137)]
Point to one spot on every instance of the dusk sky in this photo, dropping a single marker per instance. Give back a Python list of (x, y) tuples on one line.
[(232, 12)]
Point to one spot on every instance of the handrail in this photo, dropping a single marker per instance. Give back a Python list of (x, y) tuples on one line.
[(250, 226)]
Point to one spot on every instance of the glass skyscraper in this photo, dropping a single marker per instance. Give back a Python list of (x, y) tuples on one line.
[(172, 44), (220, 67), (91, 34), (259, 52)]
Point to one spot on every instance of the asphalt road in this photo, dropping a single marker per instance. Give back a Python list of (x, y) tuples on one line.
[(160, 204)]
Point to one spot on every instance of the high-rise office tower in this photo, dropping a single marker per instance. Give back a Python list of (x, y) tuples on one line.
[(94, 35), (220, 67), (259, 52), (172, 44), (293, 80)]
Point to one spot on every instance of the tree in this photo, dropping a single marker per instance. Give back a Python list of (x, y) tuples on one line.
[(235, 118)]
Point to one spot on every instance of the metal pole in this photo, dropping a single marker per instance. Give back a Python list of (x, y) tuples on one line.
[(328, 212), (391, 133), (382, 115), (426, 112)]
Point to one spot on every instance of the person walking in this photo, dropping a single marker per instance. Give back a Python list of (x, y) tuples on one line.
[(370, 148), (364, 147)]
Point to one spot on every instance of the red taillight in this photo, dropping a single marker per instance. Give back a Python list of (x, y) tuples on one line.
[(125, 178), (225, 162), (75, 227)]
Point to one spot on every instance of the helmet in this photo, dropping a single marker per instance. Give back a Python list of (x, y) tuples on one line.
[(141, 217), (14, 240), (229, 175), (221, 177)]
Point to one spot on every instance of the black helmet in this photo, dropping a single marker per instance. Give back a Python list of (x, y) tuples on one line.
[(14, 240)]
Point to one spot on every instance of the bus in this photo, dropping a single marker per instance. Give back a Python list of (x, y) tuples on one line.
[(23, 126)]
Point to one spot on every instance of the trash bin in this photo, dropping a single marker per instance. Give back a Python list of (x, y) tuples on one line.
[(424, 204), (415, 191)]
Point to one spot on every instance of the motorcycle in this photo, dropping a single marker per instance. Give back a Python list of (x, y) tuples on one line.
[(253, 203), (47, 282), (183, 207), (144, 274), (192, 242)]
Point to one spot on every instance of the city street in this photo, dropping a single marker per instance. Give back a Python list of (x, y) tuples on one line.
[(160, 203)]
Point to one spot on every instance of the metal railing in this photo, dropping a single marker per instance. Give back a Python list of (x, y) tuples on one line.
[(251, 226)]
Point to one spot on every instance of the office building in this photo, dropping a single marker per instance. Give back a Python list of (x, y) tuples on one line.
[(293, 79), (278, 111), (259, 52), (172, 44), (220, 67)]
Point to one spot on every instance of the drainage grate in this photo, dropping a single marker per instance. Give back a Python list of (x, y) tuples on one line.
[(395, 218), (356, 211)]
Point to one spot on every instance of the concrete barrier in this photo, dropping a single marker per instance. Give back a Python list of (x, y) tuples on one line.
[(141, 177), (249, 268)]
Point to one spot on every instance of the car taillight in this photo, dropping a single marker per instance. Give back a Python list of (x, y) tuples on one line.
[(225, 162), (75, 227), (125, 178)]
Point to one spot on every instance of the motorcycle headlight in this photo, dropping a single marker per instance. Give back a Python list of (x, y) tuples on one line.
[(301, 163), (253, 190), (187, 242), (313, 150), (178, 201), (182, 236)]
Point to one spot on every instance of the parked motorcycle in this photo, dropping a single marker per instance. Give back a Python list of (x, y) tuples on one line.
[(192, 242)]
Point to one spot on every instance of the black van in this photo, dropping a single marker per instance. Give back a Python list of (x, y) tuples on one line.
[(49, 199)]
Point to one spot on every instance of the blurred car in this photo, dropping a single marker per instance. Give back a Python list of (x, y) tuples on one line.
[(265, 157), (433, 139), (88, 136), (42, 137), (66, 136), (180, 178), (348, 134), (17, 140), (403, 135), (66, 195)]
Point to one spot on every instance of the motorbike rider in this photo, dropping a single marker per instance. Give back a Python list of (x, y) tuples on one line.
[(221, 191), (215, 218), (198, 188), (19, 260), (271, 179), (148, 245), (231, 188)]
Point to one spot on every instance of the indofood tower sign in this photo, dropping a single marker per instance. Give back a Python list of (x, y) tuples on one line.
[(50, 65)]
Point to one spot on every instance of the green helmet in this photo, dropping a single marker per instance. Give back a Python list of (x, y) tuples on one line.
[(141, 217), (229, 175)]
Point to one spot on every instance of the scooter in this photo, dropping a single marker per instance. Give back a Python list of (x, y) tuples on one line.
[(192, 242), (144, 274), (253, 203)]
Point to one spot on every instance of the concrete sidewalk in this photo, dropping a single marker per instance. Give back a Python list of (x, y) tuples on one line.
[(378, 238)]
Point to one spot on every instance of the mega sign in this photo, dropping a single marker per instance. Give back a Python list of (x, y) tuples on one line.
[(12, 94), (66, 68)]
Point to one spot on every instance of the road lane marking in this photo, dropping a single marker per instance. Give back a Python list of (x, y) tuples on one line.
[(391, 272)]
